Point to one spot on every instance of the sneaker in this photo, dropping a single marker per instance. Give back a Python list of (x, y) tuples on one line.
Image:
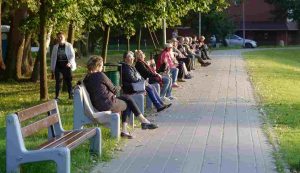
[(168, 105), (172, 98), (181, 80), (148, 126), (165, 99)]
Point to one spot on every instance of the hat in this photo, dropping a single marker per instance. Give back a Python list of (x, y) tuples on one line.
[(168, 45)]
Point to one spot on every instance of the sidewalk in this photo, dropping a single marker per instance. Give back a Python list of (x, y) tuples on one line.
[(213, 127)]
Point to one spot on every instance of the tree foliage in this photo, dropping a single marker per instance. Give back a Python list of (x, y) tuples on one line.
[(291, 8)]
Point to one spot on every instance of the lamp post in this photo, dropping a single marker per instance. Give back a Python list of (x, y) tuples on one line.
[(164, 29), (199, 32), (243, 20)]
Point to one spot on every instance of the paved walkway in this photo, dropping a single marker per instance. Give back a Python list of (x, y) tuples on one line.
[(213, 127)]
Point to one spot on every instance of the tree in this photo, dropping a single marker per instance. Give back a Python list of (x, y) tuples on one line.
[(291, 8), (2, 65)]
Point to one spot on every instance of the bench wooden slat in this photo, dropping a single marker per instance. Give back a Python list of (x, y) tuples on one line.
[(36, 110), (55, 140), (38, 125), (70, 140)]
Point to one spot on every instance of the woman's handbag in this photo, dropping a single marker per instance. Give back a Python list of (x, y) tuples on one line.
[(139, 86)]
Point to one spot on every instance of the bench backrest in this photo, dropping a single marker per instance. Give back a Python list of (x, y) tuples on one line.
[(50, 108)]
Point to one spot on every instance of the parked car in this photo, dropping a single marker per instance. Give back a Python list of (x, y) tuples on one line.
[(234, 40)]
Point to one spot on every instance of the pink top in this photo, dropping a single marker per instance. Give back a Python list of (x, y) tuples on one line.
[(166, 57)]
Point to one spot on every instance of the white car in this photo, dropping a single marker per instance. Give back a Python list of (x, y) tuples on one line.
[(234, 40)]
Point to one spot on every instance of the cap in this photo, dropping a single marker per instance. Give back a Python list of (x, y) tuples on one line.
[(168, 45)]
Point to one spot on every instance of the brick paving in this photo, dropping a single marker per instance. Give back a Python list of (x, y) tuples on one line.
[(214, 126)]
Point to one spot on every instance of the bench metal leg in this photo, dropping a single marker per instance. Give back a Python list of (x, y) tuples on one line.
[(12, 167)]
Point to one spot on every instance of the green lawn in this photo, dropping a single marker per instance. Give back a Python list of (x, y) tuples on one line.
[(15, 96), (276, 77)]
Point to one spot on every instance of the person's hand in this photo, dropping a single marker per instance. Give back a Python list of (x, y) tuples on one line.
[(69, 65)]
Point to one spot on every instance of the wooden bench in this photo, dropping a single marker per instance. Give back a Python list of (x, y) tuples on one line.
[(85, 113), (56, 148)]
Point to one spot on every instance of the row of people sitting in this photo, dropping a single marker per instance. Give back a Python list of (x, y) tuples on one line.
[(172, 63)]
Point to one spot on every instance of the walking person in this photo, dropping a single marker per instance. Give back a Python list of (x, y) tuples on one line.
[(63, 63)]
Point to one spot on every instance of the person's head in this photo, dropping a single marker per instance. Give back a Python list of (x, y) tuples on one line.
[(202, 38), (139, 55), (95, 64), (180, 39), (186, 40), (128, 57), (168, 46), (60, 37), (174, 41)]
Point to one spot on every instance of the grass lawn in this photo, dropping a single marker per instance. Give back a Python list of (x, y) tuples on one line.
[(16, 96), (276, 77)]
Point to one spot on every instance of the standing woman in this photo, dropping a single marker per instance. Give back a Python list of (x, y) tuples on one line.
[(63, 62), (103, 96)]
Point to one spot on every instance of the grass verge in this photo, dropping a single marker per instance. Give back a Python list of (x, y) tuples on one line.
[(15, 96), (276, 77)]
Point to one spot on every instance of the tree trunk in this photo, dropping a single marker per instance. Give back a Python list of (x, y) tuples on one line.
[(43, 52), (16, 45), (26, 66), (139, 39), (71, 33), (128, 43), (105, 43), (2, 65)]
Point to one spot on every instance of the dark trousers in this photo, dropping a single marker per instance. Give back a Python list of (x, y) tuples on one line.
[(67, 77), (187, 61), (131, 107), (180, 72)]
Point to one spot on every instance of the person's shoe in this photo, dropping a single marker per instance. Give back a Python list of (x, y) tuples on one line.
[(168, 105), (175, 85), (126, 135), (161, 108), (205, 64), (181, 80), (165, 99), (172, 98), (148, 126), (57, 99), (188, 76)]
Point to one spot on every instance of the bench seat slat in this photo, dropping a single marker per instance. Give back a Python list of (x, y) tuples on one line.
[(36, 110), (36, 126), (70, 140)]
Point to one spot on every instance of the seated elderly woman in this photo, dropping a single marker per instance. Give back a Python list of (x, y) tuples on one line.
[(103, 96), (149, 73), (130, 75)]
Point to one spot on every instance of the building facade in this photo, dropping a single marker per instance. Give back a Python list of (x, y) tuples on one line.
[(263, 24)]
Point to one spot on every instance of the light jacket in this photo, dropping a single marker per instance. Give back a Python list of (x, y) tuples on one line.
[(70, 55)]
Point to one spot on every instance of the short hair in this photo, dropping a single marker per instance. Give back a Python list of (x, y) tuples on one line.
[(94, 62), (138, 53), (60, 33), (128, 54)]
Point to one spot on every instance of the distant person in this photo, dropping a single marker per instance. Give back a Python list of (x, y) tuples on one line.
[(175, 33), (63, 62)]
